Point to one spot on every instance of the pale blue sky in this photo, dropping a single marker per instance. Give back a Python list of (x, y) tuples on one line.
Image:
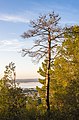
[(14, 20)]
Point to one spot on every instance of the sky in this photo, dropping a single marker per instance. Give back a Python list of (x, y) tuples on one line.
[(15, 16)]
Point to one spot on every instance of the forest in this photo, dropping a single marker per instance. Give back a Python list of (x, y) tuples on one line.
[(58, 49)]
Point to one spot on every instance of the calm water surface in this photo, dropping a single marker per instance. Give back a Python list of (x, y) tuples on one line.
[(29, 83)]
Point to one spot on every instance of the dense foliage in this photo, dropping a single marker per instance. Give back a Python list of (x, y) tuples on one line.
[(64, 84)]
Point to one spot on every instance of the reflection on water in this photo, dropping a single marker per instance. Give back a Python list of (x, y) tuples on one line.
[(30, 85)]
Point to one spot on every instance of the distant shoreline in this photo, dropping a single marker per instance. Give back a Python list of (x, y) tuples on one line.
[(28, 83), (26, 80)]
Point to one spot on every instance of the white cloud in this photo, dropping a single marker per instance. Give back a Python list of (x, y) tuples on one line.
[(14, 45), (13, 18), (10, 45)]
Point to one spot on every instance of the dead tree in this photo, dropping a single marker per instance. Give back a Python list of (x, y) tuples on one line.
[(46, 32)]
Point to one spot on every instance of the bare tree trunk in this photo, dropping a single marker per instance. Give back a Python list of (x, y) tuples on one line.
[(48, 71), (14, 79)]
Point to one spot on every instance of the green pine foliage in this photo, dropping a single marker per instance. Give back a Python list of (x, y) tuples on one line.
[(64, 84), (42, 91)]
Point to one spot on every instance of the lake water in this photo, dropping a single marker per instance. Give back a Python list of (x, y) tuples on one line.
[(28, 83)]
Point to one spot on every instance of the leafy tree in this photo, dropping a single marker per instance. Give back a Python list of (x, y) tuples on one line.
[(64, 80), (12, 104), (70, 51), (66, 74), (57, 85), (16, 104), (12, 98), (42, 91), (46, 31)]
